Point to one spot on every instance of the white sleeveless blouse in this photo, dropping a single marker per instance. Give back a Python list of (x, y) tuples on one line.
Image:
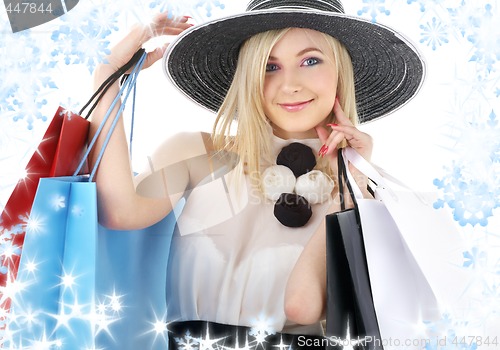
[(230, 258)]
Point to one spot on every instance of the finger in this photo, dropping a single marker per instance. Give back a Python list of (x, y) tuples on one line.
[(340, 116), (323, 133), (153, 56), (329, 140), (350, 132), (162, 24), (354, 137), (165, 25), (325, 137), (357, 139), (164, 19), (333, 141), (170, 29)]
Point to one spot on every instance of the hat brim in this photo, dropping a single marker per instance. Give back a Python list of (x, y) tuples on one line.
[(388, 70)]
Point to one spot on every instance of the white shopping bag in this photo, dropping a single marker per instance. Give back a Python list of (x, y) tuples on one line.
[(413, 255)]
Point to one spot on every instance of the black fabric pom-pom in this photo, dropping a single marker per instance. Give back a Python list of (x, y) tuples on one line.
[(292, 210), (298, 157)]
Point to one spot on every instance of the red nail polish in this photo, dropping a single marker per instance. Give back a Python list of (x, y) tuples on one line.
[(323, 151), (332, 124), (188, 17)]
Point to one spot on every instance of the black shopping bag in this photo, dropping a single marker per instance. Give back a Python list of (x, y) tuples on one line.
[(351, 318)]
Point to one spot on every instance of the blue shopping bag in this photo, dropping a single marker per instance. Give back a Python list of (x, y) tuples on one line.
[(55, 304)]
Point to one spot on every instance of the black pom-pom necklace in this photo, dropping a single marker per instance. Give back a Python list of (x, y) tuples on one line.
[(294, 185)]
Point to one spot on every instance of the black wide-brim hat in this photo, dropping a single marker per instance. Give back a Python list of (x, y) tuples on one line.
[(388, 70)]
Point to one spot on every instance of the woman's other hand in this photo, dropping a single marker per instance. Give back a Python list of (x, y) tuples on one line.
[(358, 140), (343, 130), (162, 24)]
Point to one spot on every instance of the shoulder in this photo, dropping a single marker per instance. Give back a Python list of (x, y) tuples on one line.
[(181, 147), (174, 153)]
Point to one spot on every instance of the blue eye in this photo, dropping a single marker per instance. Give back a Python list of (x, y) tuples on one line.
[(311, 61), (271, 67)]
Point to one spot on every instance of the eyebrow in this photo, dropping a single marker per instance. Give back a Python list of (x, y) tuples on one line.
[(302, 52)]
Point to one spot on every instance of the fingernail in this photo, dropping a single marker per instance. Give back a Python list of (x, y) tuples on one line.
[(187, 17), (323, 151), (332, 124)]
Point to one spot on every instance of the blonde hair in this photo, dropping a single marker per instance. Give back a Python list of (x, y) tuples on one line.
[(244, 102)]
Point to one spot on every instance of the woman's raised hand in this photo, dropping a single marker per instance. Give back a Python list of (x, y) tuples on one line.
[(344, 129), (162, 24)]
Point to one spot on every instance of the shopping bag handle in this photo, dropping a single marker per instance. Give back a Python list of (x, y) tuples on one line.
[(101, 91), (350, 155), (375, 174), (343, 176), (126, 88)]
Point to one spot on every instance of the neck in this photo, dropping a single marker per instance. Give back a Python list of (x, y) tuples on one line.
[(302, 135)]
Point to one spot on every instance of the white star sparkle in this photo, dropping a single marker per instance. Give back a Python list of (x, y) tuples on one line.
[(159, 328), (31, 266), (12, 288), (261, 328), (35, 224), (282, 346), (208, 343), (68, 281), (106, 313), (63, 318)]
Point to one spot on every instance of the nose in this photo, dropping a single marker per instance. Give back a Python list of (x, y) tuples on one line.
[(291, 82)]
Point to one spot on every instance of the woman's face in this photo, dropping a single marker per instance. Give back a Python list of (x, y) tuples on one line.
[(300, 84)]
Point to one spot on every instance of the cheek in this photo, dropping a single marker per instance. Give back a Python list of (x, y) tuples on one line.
[(271, 87), (326, 78), (328, 86), (267, 91)]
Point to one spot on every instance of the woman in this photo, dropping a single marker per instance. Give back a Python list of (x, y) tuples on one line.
[(278, 75)]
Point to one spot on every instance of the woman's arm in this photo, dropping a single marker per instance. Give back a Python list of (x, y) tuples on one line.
[(305, 295), (119, 205)]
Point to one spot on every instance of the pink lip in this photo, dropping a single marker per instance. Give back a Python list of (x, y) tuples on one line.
[(295, 107)]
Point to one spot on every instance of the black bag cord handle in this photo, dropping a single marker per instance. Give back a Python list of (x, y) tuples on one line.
[(110, 81), (342, 175)]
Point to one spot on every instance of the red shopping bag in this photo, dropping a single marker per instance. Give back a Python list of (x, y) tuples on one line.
[(57, 155)]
